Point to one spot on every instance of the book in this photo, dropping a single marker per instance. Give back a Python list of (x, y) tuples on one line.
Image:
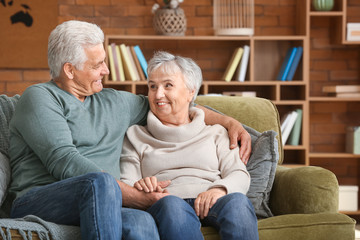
[(342, 89), (112, 64), (233, 63), (285, 67), (128, 69), (294, 64), (142, 60), (353, 139), (294, 137), (116, 61), (242, 68), (353, 32), (348, 95), (137, 64), (290, 121), (132, 62), (119, 63), (284, 121)]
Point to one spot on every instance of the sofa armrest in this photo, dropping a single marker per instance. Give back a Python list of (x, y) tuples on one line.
[(304, 190)]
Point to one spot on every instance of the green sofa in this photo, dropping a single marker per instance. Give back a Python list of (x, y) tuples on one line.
[(303, 201)]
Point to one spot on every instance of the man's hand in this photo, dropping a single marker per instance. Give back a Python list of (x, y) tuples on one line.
[(238, 133), (206, 200)]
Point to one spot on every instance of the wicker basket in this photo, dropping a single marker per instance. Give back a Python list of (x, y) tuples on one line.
[(235, 17), (170, 22)]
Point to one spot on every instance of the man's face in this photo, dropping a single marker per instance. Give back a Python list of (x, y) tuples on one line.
[(88, 80)]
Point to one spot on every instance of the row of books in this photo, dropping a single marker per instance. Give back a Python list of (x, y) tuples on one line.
[(238, 63), (291, 127), (290, 64), (126, 63), (350, 91)]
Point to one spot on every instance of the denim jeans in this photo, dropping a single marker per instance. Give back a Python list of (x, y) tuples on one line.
[(232, 215), (92, 201)]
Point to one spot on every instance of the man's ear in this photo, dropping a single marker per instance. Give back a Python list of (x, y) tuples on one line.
[(69, 70)]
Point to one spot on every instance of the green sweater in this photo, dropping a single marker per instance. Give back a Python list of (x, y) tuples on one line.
[(54, 136)]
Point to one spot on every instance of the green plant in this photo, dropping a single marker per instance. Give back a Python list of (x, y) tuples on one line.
[(169, 4)]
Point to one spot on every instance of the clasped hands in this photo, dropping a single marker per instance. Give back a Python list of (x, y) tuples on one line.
[(202, 204)]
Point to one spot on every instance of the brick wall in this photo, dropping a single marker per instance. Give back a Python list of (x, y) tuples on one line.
[(134, 17)]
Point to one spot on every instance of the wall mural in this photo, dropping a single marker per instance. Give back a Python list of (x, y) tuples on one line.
[(24, 29)]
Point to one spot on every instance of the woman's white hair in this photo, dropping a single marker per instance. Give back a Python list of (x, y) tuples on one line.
[(171, 64), (67, 43)]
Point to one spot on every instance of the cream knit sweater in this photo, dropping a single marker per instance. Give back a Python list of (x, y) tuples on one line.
[(195, 157)]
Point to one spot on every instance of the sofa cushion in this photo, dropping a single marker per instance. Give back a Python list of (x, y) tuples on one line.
[(7, 108), (5, 172), (262, 167), (329, 226)]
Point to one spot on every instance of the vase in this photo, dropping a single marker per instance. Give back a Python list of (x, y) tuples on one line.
[(171, 22), (323, 5)]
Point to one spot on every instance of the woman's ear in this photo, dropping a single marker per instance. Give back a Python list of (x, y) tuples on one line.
[(191, 95), (69, 70)]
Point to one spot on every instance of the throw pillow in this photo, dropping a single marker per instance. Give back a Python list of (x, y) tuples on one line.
[(4, 176), (262, 167), (7, 108)]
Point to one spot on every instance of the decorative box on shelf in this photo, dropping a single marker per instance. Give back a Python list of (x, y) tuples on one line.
[(348, 198), (353, 31)]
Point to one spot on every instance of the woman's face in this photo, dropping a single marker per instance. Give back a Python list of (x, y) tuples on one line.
[(169, 97)]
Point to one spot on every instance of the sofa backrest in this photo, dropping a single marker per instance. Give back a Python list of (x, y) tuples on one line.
[(258, 113), (7, 108)]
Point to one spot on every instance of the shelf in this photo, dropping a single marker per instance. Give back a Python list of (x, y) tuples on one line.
[(293, 165), (334, 155), (221, 83), (326, 13), (350, 212), (172, 38), (289, 102), (291, 147), (346, 42), (333, 99)]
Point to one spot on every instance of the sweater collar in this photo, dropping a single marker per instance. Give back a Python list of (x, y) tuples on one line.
[(177, 134)]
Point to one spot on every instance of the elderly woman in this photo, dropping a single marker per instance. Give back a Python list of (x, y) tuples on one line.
[(208, 181)]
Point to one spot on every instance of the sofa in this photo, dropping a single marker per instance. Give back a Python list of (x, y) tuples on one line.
[(290, 203)]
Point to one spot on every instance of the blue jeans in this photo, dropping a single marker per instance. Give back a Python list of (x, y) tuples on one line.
[(92, 201), (232, 215)]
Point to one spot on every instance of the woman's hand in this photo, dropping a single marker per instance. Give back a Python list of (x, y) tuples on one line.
[(150, 184), (237, 132), (206, 200)]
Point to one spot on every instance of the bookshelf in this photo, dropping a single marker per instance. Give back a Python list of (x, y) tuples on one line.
[(334, 158)]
